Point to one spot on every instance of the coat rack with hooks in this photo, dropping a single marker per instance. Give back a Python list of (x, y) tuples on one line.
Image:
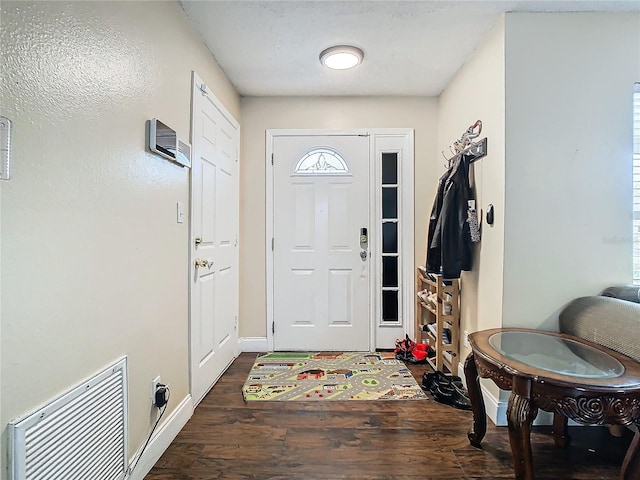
[(473, 151)]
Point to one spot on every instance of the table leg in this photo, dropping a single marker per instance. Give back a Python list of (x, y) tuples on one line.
[(520, 415), (631, 463), (561, 435), (479, 427)]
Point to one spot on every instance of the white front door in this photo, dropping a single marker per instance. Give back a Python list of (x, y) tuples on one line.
[(321, 267), (214, 240)]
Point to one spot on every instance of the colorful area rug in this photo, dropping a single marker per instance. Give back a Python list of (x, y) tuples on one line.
[(330, 376)]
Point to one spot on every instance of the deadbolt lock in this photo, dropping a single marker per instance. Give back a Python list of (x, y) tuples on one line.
[(364, 235), (197, 241)]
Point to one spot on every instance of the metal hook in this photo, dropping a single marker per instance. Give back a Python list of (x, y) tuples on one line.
[(470, 134), (478, 124), (447, 161), (445, 158), (465, 140)]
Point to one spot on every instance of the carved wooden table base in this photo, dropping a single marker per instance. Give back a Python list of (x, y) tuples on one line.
[(565, 396)]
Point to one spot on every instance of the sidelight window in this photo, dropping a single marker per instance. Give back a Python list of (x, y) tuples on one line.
[(390, 238)]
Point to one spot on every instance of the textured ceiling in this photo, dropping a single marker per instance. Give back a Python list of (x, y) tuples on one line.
[(411, 47)]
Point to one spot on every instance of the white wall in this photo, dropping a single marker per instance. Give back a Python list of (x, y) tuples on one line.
[(569, 86), (554, 92), (478, 92), (94, 265), (262, 113)]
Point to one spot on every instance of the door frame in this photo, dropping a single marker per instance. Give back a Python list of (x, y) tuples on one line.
[(402, 140), (197, 84)]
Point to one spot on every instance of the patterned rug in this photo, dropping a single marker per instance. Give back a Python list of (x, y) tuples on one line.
[(330, 376)]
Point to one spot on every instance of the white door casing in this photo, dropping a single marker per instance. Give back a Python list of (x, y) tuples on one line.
[(399, 142), (321, 268), (214, 284)]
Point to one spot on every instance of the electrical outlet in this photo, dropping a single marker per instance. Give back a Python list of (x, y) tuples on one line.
[(154, 387), (465, 336)]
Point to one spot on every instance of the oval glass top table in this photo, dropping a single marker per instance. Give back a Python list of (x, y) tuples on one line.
[(558, 373)]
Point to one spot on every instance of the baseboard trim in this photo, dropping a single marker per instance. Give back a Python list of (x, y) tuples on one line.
[(496, 410), (253, 344), (161, 440)]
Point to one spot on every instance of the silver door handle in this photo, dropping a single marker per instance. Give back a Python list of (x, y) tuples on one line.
[(201, 262)]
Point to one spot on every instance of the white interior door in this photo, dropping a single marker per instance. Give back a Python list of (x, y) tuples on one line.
[(321, 268), (214, 240)]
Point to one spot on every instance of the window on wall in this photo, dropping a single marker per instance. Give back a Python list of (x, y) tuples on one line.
[(636, 185)]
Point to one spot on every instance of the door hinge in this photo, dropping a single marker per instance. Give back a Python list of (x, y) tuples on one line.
[(273, 327), (273, 242), (272, 159), (235, 325)]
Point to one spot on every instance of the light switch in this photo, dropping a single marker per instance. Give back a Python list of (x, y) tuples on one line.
[(180, 212)]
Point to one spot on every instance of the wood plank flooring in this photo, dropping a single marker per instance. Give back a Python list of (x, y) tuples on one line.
[(395, 440)]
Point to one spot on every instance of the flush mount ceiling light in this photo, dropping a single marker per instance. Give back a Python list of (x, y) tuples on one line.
[(341, 57)]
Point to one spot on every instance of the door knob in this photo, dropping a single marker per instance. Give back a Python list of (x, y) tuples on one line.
[(201, 262), (363, 254)]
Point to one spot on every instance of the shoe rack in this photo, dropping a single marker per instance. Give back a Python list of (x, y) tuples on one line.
[(438, 312)]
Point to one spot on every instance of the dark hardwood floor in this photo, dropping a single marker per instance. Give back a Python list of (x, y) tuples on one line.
[(414, 440)]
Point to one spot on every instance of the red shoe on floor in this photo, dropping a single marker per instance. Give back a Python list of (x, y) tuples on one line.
[(420, 355)]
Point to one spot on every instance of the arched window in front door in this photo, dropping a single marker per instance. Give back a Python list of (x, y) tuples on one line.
[(321, 161)]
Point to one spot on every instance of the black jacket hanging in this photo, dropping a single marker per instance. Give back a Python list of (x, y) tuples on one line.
[(434, 253), (449, 242)]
